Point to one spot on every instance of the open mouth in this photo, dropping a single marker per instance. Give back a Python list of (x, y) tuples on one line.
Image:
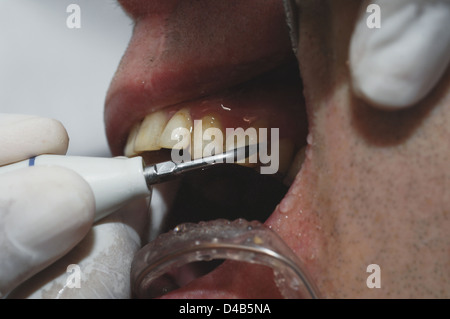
[(361, 196), (164, 86)]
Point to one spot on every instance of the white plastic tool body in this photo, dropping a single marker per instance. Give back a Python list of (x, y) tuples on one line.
[(114, 181)]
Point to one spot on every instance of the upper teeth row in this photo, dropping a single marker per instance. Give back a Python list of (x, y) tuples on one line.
[(157, 131)]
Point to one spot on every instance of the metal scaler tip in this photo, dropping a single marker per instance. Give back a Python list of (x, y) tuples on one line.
[(165, 171)]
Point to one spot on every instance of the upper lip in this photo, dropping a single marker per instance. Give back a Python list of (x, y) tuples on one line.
[(156, 71), (129, 102)]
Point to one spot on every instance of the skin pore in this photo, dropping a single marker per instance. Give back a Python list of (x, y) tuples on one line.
[(375, 185)]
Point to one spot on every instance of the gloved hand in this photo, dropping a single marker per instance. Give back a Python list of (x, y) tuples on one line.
[(46, 212), (43, 212), (398, 64)]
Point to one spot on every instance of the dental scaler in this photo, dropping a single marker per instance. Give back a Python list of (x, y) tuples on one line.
[(115, 181)]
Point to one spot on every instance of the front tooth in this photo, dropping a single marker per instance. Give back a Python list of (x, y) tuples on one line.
[(129, 147), (251, 139), (209, 134), (243, 138), (295, 166), (177, 131), (148, 137), (258, 125)]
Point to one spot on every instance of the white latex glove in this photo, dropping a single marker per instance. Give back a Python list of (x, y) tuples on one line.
[(397, 65), (43, 212)]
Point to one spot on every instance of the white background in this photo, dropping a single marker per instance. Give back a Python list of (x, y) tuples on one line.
[(50, 70)]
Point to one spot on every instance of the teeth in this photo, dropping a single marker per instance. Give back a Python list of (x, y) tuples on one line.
[(249, 137), (295, 166), (176, 133), (253, 159), (243, 139), (209, 135), (148, 138), (129, 147), (206, 138)]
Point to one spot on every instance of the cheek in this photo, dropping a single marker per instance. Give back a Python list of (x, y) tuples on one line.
[(382, 192), (374, 188)]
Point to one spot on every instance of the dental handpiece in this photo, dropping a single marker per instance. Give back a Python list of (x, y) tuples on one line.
[(118, 180)]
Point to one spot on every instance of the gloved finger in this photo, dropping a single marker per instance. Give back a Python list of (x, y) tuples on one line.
[(398, 64), (44, 212), (25, 136), (99, 266)]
